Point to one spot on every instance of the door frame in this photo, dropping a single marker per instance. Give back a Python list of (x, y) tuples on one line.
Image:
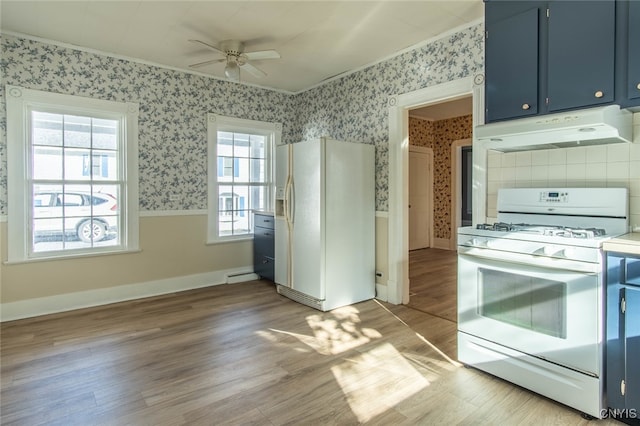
[(429, 153), (456, 188), (399, 106)]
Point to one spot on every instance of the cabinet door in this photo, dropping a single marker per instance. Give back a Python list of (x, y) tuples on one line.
[(632, 347), (581, 55), (633, 78), (614, 331), (511, 64)]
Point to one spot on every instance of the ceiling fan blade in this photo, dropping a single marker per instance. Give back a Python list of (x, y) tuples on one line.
[(202, 64), (256, 72), (262, 54), (215, 49)]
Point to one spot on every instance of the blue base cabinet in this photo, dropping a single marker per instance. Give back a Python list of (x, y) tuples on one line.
[(264, 245), (623, 337)]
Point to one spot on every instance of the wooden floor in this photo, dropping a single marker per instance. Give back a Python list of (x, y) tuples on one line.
[(433, 282), (242, 354)]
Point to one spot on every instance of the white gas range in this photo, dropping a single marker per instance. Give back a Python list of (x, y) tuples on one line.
[(531, 294)]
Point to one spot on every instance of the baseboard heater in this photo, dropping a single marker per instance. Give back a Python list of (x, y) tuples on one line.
[(241, 277), (301, 297)]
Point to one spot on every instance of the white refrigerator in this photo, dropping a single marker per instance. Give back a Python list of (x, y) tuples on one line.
[(325, 222)]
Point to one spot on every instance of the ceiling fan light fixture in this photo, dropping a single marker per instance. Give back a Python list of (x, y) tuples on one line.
[(232, 71)]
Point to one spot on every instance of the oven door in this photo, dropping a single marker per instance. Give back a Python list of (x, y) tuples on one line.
[(529, 306)]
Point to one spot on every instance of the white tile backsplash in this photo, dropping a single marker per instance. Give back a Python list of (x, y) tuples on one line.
[(618, 170), (557, 156), (558, 172), (577, 155), (509, 159), (618, 152), (577, 172), (540, 158), (523, 159), (596, 154)]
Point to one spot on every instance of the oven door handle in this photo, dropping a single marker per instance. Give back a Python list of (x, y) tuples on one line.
[(530, 260)]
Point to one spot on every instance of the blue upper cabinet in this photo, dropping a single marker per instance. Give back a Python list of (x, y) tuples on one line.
[(581, 54), (551, 56), (512, 43), (633, 51), (511, 51)]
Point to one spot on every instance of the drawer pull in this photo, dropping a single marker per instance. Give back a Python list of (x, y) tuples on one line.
[(266, 234), (599, 94), (526, 106)]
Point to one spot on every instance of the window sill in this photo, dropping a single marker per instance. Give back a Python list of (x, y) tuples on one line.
[(244, 238), (70, 256)]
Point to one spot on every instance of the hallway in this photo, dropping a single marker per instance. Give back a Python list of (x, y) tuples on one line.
[(433, 282)]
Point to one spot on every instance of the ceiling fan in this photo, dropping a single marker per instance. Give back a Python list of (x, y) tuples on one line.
[(236, 57)]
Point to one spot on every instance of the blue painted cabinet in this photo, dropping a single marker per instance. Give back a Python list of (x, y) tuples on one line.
[(623, 336), (548, 56), (264, 245), (581, 54), (633, 52), (511, 65)]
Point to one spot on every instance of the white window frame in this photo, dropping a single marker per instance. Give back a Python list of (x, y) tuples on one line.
[(20, 103), (216, 123)]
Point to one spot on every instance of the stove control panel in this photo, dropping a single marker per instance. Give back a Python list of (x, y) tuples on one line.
[(554, 197)]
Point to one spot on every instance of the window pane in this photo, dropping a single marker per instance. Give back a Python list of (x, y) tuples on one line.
[(104, 165), (46, 129), (258, 196), (47, 162), (257, 146), (77, 131), (77, 164), (241, 145), (257, 170), (242, 172), (225, 169), (225, 144), (105, 134)]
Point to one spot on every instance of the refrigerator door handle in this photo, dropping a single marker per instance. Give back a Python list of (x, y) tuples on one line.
[(292, 202)]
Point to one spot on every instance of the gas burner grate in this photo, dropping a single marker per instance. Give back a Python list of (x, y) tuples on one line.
[(547, 230), (498, 226)]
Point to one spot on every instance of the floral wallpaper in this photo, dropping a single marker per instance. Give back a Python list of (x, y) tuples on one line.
[(174, 106), (356, 108), (172, 140), (439, 135)]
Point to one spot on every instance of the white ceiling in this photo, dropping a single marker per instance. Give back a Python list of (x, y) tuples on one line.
[(316, 39)]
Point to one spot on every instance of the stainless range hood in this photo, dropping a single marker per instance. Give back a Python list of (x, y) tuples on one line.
[(594, 126)]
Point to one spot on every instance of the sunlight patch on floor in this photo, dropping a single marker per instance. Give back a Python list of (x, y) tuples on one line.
[(375, 382)]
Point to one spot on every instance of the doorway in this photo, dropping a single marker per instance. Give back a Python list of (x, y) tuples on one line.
[(445, 128), (398, 223)]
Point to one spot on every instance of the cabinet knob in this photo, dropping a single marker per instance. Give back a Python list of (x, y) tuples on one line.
[(526, 106), (599, 94), (638, 86)]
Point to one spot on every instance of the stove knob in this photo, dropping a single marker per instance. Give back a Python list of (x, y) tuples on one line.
[(568, 253), (478, 242)]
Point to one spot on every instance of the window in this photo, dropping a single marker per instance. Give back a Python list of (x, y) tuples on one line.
[(240, 174), (72, 175)]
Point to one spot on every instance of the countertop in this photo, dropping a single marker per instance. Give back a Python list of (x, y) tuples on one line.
[(628, 243)]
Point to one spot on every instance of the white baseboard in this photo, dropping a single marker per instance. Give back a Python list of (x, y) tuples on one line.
[(442, 243), (84, 299), (382, 292)]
